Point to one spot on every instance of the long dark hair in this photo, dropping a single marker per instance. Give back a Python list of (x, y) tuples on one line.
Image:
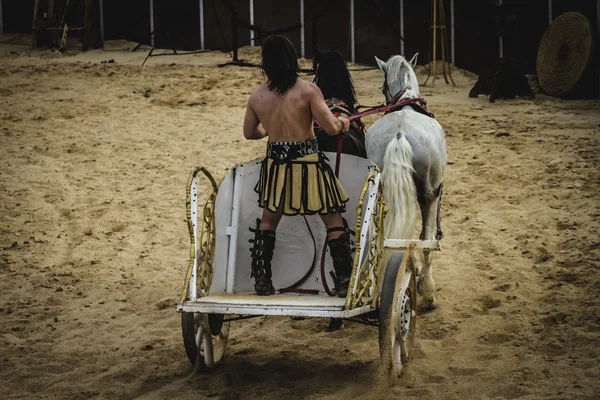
[(333, 77), (280, 63)]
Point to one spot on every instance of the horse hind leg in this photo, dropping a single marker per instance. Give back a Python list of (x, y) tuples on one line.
[(439, 234), (429, 213)]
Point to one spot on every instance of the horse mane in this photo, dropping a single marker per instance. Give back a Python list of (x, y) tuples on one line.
[(398, 68), (333, 77)]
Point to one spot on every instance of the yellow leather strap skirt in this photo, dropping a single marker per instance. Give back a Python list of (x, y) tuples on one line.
[(297, 177)]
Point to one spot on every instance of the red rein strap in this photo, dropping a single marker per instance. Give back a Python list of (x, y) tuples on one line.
[(381, 108), (294, 288), (338, 158)]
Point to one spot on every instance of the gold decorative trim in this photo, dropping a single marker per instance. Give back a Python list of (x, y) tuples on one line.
[(368, 278), (206, 236)]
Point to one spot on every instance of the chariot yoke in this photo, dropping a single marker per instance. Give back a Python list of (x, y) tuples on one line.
[(219, 290)]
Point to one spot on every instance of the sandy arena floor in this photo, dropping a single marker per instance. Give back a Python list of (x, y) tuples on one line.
[(93, 241)]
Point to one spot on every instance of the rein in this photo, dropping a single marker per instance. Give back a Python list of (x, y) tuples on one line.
[(385, 108), (392, 106)]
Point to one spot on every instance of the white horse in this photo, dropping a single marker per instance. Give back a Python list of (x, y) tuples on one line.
[(410, 149)]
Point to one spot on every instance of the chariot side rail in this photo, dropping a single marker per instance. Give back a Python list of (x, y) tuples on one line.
[(406, 244)]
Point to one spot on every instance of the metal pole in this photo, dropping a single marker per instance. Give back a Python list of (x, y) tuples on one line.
[(549, 12), (251, 22), (152, 23), (1, 20), (352, 45), (101, 3), (402, 27), (434, 41), (453, 60), (201, 3), (500, 42), (302, 43)]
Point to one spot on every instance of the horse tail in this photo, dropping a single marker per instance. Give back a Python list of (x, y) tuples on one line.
[(399, 189)]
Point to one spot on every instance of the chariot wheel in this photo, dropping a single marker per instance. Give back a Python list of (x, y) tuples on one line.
[(205, 338), (397, 318)]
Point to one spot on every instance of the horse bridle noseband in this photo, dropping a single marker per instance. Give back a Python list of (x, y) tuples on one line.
[(386, 90)]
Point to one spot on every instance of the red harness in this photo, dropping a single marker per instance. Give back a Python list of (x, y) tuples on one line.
[(392, 106)]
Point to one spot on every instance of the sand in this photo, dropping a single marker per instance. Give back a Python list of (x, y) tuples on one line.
[(93, 241)]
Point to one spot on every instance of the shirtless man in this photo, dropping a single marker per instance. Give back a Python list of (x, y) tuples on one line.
[(295, 179)]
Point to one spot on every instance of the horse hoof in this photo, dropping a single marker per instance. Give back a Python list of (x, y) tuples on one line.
[(428, 305), (335, 324)]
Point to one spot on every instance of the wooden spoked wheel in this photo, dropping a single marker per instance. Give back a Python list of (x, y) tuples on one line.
[(397, 317), (205, 338)]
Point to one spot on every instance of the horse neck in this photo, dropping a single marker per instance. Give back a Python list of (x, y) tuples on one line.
[(406, 81), (405, 94)]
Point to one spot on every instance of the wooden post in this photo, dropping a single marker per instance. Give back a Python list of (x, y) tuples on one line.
[(86, 40)]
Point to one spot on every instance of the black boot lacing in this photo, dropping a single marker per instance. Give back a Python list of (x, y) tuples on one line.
[(342, 261), (262, 254)]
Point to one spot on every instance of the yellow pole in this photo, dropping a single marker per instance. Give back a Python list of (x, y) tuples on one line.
[(443, 39), (434, 38)]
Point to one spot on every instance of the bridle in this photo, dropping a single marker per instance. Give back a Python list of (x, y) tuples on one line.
[(386, 90)]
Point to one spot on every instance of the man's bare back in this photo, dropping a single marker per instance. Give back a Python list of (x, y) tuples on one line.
[(289, 117), (295, 178)]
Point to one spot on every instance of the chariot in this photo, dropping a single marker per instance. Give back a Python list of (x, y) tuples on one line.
[(218, 289)]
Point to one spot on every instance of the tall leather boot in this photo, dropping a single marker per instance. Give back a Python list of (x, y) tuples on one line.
[(342, 262), (262, 254)]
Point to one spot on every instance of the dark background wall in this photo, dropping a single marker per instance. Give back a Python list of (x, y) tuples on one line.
[(177, 24), (332, 26), (377, 25), (272, 14), (417, 21), (377, 30), (217, 23), (17, 16), (127, 20)]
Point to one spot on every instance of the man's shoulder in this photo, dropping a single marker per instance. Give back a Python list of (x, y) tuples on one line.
[(305, 87), (301, 83), (260, 88), (258, 91)]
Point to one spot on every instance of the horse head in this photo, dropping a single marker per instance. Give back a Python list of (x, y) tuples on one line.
[(332, 76), (399, 77)]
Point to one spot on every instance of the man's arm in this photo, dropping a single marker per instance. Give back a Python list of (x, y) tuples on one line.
[(329, 122), (253, 129)]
